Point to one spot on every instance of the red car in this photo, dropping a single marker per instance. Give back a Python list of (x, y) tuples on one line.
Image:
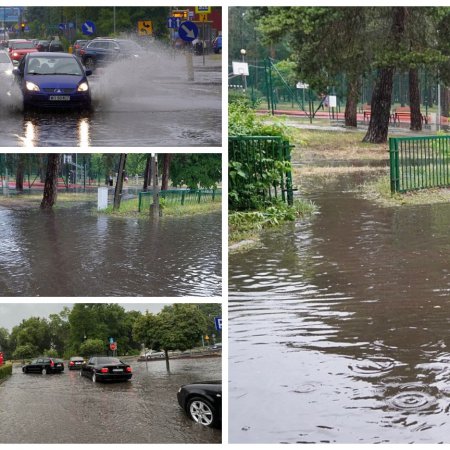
[(18, 48)]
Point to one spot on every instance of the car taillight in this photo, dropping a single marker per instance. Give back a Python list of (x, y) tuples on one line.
[(15, 54), (128, 369), (72, 363), (52, 364), (104, 370), (81, 51)]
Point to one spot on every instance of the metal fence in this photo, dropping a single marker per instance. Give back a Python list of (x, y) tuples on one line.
[(262, 155), (180, 197), (419, 162)]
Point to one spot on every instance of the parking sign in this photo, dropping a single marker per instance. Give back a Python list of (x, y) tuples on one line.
[(218, 323)]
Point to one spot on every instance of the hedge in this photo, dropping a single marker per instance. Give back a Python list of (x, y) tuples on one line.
[(5, 370)]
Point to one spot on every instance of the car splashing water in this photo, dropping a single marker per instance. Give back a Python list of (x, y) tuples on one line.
[(10, 96), (343, 320)]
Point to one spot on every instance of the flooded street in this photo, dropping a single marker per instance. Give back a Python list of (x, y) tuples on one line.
[(344, 322), (73, 251), (67, 408), (133, 105)]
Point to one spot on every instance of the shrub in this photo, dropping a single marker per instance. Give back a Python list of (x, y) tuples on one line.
[(5, 370)]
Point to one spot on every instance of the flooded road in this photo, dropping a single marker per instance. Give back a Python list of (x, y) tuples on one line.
[(344, 322), (73, 251), (67, 408), (133, 105)]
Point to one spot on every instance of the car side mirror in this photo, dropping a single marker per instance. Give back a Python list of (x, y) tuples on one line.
[(88, 72)]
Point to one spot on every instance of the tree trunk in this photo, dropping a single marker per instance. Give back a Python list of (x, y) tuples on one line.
[(414, 100), (445, 100), (147, 173), (51, 181), (351, 106), (20, 172), (380, 108), (154, 207), (166, 352), (166, 171), (382, 93), (119, 182)]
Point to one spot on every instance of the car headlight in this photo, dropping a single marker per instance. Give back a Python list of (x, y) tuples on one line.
[(83, 87), (15, 54), (32, 87)]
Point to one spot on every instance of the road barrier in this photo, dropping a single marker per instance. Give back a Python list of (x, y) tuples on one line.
[(180, 197), (419, 162)]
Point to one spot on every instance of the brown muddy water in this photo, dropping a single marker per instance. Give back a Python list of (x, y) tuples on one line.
[(340, 326), (67, 408), (73, 251)]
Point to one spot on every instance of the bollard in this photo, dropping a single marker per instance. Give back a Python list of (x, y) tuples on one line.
[(102, 198), (190, 66)]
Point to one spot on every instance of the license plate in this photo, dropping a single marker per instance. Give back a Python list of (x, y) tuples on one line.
[(60, 98), (77, 363), (58, 365), (117, 370)]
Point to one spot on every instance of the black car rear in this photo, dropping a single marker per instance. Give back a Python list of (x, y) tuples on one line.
[(44, 364), (202, 402), (106, 368)]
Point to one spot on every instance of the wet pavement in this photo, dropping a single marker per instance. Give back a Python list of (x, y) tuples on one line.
[(343, 320), (134, 104), (73, 251), (67, 408)]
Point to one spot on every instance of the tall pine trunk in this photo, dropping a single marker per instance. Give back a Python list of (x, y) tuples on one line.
[(147, 173), (351, 106), (377, 132), (119, 183), (51, 181), (20, 172), (414, 100), (166, 171)]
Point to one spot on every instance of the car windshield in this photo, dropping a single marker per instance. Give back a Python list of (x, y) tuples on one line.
[(109, 361), (4, 58), (21, 45), (76, 359), (53, 66)]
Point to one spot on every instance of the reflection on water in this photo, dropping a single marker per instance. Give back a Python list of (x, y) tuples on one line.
[(73, 252), (344, 323)]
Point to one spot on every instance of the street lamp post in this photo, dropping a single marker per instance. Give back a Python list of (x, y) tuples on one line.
[(244, 78)]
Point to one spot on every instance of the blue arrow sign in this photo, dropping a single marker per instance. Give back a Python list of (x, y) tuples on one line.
[(62, 26), (218, 323), (188, 31), (88, 28), (173, 22)]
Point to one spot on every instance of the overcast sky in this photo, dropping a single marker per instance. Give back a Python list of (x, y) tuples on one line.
[(11, 314)]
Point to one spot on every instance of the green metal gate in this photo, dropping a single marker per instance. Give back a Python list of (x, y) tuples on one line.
[(262, 155), (419, 162)]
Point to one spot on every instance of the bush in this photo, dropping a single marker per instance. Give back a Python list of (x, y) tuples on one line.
[(5, 371), (92, 347)]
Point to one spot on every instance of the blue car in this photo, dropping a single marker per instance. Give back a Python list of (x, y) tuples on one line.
[(53, 81)]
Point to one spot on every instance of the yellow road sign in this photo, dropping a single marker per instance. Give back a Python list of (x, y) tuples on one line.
[(203, 17), (180, 13), (203, 10), (145, 27)]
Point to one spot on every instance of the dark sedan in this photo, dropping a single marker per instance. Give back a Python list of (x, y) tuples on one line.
[(202, 402), (76, 362), (53, 80), (106, 368), (44, 364)]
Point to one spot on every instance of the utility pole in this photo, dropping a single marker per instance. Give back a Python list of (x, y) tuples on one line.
[(154, 207), (119, 183)]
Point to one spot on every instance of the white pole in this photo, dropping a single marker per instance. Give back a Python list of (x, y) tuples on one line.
[(438, 119)]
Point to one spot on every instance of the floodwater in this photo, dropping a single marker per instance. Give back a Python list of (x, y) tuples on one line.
[(344, 323), (67, 408), (145, 102), (73, 251)]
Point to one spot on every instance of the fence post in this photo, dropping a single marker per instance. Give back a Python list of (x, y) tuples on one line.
[(139, 203), (199, 195), (394, 165), (182, 198), (289, 187)]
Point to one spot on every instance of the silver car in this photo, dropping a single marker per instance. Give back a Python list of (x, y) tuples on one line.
[(6, 65)]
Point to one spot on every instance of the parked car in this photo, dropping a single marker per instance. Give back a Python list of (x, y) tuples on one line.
[(18, 48), (78, 45), (55, 46), (6, 65), (202, 402), (76, 362), (217, 44), (106, 368), (53, 80), (155, 355), (44, 364), (101, 51)]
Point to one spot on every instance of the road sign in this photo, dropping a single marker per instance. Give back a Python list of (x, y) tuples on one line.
[(218, 323), (203, 10), (188, 31), (62, 26), (174, 22), (111, 340), (88, 28), (203, 17), (113, 346), (145, 27), (180, 13)]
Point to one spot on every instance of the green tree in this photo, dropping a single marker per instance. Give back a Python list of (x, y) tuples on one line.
[(34, 331), (176, 327), (196, 170), (5, 342), (93, 347), (25, 351)]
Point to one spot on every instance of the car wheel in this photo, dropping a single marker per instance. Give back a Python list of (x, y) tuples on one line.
[(24, 370), (89, 63), (94, 377), (45, 370), (202, 412)]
